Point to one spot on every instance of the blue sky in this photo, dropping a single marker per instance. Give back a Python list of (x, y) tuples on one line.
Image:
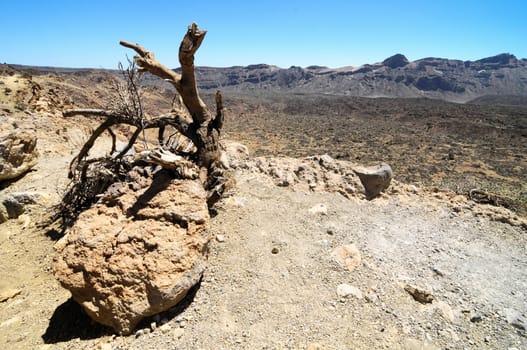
[(332, 33)]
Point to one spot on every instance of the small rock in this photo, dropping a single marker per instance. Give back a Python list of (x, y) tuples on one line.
[(371, 297), (319, 209), (165, 328), (445, 310), (347, 256), (178, 319), (345, 290), (18, 154), (420, 295), (476, 318), (153, 326), (178, 333), (220, 238), (275, 250), (14, 204)]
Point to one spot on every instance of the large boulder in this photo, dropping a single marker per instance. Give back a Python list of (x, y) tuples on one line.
[(138, 251), (18, 154), (375, 179)]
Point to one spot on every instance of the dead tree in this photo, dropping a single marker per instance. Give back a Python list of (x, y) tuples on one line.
[(191, 118)]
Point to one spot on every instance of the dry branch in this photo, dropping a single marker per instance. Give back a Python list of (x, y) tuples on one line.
[(200, 156), (204, 133)]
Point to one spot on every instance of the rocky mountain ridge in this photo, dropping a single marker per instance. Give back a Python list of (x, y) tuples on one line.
[(396, 77), (446, 79)]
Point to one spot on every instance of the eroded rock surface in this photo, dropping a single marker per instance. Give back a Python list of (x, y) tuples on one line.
[(18, 154), (138, 251)]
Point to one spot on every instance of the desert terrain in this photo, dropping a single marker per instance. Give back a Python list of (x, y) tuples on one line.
[(433, 268)]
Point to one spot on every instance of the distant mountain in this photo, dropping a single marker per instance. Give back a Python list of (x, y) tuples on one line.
[(446, 79), (501, 78)]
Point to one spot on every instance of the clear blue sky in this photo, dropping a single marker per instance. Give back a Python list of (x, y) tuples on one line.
[(74, 33)]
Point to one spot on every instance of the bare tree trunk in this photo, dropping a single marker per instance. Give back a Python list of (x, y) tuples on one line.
[(197, 123), (204, 129)]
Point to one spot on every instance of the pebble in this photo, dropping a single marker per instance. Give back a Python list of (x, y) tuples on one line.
[(178, 332), (153, 325), (345, 290), (371, 297), (165, 328), (476, 318), (179, 318), (220, 238), (275, 250), (420, 295), (319, 209)]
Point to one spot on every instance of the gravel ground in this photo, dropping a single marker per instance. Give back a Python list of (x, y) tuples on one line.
[(274, 282)]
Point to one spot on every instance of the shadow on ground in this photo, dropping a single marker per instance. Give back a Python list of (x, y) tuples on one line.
[(69, 321)]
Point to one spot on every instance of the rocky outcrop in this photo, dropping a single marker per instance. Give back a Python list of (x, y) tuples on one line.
[(396, 61), (317, 173), (396, 76), (138, 251), (18, 154)]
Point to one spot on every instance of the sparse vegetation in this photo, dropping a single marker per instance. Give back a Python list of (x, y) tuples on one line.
[(433, 143)]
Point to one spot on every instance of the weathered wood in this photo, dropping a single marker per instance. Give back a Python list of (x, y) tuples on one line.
[(197, 123), (204, 133)]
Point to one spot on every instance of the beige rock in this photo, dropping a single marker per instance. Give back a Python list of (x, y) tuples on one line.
[(345, 290), (347, 256), (138, 255), (18, 154), (8, 293), (319, 209)]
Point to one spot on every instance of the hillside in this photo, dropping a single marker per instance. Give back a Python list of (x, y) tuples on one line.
[(296, 262)]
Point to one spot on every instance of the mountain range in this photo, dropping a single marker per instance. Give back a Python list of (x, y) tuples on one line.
[(489, 80), (446, 79)]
